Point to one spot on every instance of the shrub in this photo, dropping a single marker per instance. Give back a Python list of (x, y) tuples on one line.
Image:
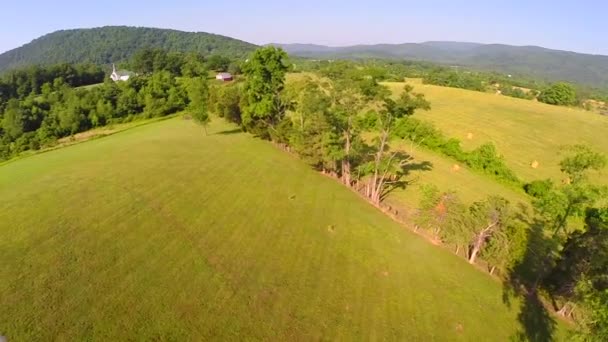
[(561, 94), (485, 158), (538, 188)]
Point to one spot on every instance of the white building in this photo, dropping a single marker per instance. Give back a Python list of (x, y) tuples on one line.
[(119, 75)]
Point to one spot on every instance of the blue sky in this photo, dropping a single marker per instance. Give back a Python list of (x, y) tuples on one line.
[(569, 25)]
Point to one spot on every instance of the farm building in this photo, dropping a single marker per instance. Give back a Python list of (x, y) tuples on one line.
[(121, 75), (224, 76)]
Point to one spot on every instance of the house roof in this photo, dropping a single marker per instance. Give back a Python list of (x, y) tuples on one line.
[(224, 74)]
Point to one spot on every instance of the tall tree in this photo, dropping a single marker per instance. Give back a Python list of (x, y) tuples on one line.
[(264, 108), (583, 258), (347, 105), (571, 199), (313, 137), (386, 163), (487, 219), (12, 122), (198, 92)]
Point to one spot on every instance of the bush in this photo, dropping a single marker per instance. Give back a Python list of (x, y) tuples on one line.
[(538, 188), (454, 79), (561, 94), (485, 158)]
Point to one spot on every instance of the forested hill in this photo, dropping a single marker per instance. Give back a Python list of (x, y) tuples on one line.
[(109, 44), (529, 61)]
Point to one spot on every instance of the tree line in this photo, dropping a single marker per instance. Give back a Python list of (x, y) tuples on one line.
[(556, 93), (23, 82), (186, 64)]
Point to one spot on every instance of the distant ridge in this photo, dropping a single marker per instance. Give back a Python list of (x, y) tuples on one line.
[(109, 44), (104, 45), (534, 61)]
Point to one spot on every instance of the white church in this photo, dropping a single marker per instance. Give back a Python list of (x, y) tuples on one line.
[(121, 75)]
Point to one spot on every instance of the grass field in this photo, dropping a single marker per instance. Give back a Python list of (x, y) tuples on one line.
[(469, 185), (522, 130), (162, 233)]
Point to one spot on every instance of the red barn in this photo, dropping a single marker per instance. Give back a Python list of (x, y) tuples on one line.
[(224, 76)]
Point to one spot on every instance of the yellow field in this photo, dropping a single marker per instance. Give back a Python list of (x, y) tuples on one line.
[(470, 185), (522, 130)]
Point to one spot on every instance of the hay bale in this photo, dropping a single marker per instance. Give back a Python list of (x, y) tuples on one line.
[(470, 136), (455, 168), (534, 164)]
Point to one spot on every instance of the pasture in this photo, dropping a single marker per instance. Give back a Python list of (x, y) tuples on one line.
[(162, 233), (523, 131)]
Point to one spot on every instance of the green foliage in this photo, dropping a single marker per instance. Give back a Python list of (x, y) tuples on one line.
[(539, 188), (12, 122), (580, 160), (443, 214), (487, 228), (21, 83), (485, 158), (509, 90), (407, 103), (193, 65), (584, 257), (558, 204), (30, 122), (312, 135), (114, 44), (561, 94), (225, 101), (455, 79), (265, 71), (508, 246), (198, 93), (593, 323), (218, 63), (162, 95)]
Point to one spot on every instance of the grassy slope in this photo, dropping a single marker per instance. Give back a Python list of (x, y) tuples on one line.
[(162, 233), (522, 130), (470, 185)]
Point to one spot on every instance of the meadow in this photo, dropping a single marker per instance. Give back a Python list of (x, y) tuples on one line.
[(523, 131), (162, 233)]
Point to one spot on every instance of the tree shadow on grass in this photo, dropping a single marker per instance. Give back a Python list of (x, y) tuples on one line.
[(421, 166), (401, 181), (523, 279), (230, 131)]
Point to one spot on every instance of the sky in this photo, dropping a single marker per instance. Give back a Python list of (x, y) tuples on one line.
[(565, 25)]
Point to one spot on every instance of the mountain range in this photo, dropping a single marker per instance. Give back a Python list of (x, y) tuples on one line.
[(110, 44), (530, 61)]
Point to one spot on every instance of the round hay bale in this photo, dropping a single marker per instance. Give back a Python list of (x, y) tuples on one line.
[(470, 136), (534, 164), (455, 168)]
